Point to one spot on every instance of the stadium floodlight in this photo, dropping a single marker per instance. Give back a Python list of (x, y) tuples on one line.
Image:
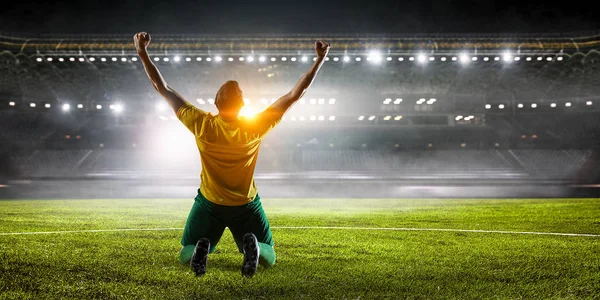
[(165, 59), (134, 59), (528, 58), (155, 59), (293, 118), (263, 101), (61, 59), (443, 58), (559, 58), (250, 58), (321, 101), (336, 58), (552, 104), (421, 58), (400, 58), (431, 58), (198, 58), (549, 58), (293, 58), (360, 118), (241, 58), (464, 58), (389, 58), (454, 58), (115, 59), (398, 118), (103, 59), (177, 58), (315, 58), (211, 101), (111, 107), (501, 106), (371, 118), (326, 58), (357, 59), (32, 104), (81, 59), (533, 105), (474, 58), (488, 106), (273, 59), (301, 118), (39, 59), (387, 101), (568, 104), (119, 108), (71, 58), (421, 101), (321, 118), (302, 101), (313, 101), (98, 106), (507, 57), (520, 105), (161, 106), (49, 59), (66, 107), (398, 101), (588, 103), (497, 58), (124, 59), (92, 59), (374, 56), (346, 58), (230, 59), (387, 118), (218, 58), (304, 59), (79, 105), (313, 118), (208, 59), (412, 58), (486, 58), (284, 58), (188, 59), (11, 103), (540, 58), (458, 118), (332, 101), (431, 101), (331, 118), (517, 58)]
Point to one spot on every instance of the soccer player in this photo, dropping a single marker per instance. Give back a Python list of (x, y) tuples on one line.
[(228, 148)]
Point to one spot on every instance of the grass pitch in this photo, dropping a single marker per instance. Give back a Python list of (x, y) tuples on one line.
[(311, 263)]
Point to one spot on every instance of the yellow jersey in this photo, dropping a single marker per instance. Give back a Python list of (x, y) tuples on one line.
[(228, 152)]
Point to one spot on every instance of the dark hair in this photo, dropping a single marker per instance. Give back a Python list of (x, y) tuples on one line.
[(229, 96)]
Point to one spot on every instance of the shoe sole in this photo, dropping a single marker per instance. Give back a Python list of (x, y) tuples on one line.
[(251, 255), (199, 258)]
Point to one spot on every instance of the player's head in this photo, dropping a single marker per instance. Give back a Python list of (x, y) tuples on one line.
[(229, 99)]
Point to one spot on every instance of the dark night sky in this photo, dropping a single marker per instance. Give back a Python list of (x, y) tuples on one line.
[(239, 17)]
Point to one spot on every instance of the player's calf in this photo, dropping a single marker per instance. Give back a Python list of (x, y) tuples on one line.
[(200, 256)]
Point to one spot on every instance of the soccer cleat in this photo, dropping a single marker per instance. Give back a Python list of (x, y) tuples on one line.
[(198, 261), (251, 254)]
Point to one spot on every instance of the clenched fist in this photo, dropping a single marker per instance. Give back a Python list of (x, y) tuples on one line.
[(141, 40), (322, 48)]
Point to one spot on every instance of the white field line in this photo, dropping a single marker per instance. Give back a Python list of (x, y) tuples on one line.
[(317, 227)]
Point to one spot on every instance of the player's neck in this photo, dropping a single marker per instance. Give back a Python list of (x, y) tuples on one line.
[(227, 117)]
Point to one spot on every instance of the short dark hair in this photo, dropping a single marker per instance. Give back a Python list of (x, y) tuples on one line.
[(229, 96)]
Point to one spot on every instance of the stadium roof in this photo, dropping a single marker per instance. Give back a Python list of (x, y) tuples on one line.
[(275, 44)]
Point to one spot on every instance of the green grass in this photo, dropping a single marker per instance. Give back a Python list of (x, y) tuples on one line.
[(312, 263)]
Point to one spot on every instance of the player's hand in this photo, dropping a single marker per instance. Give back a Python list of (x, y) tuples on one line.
[(322, 48), (141, 40)]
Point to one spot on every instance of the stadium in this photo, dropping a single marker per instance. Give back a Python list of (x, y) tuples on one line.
[(451, 166)]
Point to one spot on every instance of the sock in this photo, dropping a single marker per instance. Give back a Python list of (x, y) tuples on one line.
[(267, 255), (185, 255)]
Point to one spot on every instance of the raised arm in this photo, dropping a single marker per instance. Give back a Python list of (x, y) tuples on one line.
[(285, 102), (142, 40)]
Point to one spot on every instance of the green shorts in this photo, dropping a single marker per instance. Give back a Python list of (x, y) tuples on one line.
[(208, 220)]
